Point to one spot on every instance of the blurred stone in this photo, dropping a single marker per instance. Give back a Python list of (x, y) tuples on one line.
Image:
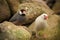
[(25, 1), (57, 12), (13, 5), (50, 3), (9, 31), (44, 6), (56, 7), (4, 11)]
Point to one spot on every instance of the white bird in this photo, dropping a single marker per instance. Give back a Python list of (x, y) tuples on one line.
[(41, 22)]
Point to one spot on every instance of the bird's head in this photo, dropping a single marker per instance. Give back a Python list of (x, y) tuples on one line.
[(44, 16), (22, 12)]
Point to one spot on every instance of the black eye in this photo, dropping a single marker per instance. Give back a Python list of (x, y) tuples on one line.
[(22, 14), (44, 15)]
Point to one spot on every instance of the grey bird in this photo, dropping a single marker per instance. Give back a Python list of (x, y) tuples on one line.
[(19, 17)]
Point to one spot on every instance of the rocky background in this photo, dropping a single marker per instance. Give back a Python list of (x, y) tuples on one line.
[(34, 8)]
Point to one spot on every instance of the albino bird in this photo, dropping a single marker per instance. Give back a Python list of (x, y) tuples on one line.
[(19, 17), (38, 25), (41, 22)]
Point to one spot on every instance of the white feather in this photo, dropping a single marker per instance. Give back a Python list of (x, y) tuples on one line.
[(40, 23), (20, 12)]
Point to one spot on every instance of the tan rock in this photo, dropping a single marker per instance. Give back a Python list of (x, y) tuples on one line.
[(9, 31), (25, 1), (13, 5), (4, 11), (56, 7)]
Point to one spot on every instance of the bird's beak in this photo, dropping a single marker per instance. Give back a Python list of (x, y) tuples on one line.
[(45, 17), (23, 14)]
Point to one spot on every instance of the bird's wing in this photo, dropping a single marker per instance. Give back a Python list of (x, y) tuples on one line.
[(14, 17)]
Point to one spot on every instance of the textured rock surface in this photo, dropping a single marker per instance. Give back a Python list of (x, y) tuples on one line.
[(44, 6), (13, 5), (25, 1), (56, 7), (4, 10), (9, 31)]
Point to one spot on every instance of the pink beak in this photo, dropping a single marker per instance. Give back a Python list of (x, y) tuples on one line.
[(45, 17)]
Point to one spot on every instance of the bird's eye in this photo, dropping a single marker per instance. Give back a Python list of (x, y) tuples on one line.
[(45, 17)]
